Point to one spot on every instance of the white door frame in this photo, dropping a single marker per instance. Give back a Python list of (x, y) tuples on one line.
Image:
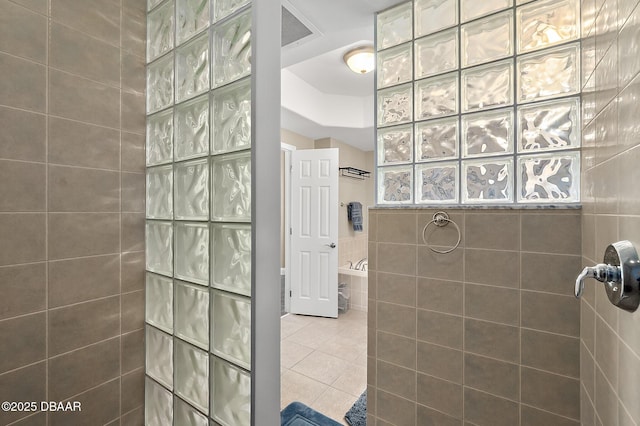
[(287, 149)]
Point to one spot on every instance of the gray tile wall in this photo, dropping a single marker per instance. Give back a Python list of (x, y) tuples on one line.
[(72, 208), (610, 343), (487, 335)]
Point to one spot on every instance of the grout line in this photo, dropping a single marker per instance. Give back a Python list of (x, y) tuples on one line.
[(47, 189)]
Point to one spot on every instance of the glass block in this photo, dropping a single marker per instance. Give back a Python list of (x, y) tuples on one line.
[(437, 184), (552, 178), (159, 302), (159, 358), (394, 105), (395, 145), (231, 187), (549, 126), (231, 394), (192, 314), (192, 17), (232, 117), (434, 15), (488, 86), (191, 189), (231, 258), (160, 28), (437, 139), (192, 68), (487, 133), (222, 8), (232, 49), (487, 181), (152, 3), (192, 129), (158, 410), (160, 84), (472, 9), (192, 252), (550, 73), (395, 185), (159, 247), (160, 138), (192, 375), (547, 23), (487, 39), (231, 328), (184, 414), (437, 96), (394, 66), (394, 26), (160, 192), (436, 54)]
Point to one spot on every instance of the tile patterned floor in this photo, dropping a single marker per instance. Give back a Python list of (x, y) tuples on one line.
[(323, 361)]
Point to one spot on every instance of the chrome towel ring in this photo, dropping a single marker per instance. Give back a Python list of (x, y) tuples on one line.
[(441, 219)]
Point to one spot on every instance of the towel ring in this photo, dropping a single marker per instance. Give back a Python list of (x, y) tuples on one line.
[(441, 219)]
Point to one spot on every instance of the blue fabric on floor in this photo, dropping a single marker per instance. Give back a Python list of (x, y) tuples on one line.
[(354, 214), (298, 414), (357, 414)]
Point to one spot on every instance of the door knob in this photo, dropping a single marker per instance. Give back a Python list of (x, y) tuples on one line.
[(620, 273), (332, 245)]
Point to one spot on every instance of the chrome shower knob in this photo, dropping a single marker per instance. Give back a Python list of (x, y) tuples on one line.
[(620, 273)]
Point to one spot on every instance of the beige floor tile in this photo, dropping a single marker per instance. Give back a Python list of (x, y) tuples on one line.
[(322, 367), (342, 347), (309, 337), (292, 353), (289, 324), (334, 403), (318, 352), (353, 381), (297, 387)]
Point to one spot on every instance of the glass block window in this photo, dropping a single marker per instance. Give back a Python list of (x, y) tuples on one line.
[(198, 212), (478, 103)]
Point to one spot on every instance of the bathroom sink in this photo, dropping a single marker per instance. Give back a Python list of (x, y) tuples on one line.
[(348, 271)]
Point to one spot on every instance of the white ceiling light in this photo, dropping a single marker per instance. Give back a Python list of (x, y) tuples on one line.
[(360, 60)]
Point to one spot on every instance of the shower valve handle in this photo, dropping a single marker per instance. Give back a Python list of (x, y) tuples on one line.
[(620, 273), (607, 274)]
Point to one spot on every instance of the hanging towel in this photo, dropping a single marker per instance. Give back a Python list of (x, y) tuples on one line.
[(354, 214)]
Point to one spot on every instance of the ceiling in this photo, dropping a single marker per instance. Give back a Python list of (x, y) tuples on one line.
[(321, 97)]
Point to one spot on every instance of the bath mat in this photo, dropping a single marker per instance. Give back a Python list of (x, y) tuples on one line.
[(298, 414), (357, 414)]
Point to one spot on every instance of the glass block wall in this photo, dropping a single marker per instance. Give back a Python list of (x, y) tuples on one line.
[(478, 102), (198, 228)]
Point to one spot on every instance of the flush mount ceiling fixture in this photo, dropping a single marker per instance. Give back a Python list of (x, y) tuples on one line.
[(360, 60)]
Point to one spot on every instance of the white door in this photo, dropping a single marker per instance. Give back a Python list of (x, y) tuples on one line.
[(314, 232)]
